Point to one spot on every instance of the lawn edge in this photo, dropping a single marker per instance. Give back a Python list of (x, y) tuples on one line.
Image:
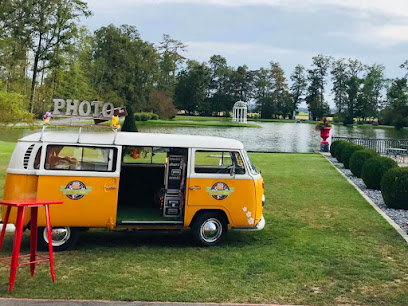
[(23, 301), (388, 219)]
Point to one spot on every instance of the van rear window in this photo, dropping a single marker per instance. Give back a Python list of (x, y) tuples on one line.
[(80, 158)]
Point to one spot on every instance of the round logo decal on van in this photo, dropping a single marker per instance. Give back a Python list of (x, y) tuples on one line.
[(75, 190), (220, 191)]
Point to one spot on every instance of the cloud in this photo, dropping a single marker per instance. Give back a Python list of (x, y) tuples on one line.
[(390, 7), (381, 36)]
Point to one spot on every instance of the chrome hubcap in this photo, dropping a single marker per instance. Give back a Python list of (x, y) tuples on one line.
[(211, 230), (60, 235)]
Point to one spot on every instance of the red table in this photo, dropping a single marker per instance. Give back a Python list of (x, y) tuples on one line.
[(21, 205)]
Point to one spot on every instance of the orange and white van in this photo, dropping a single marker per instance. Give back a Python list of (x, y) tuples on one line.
[(119, 180)]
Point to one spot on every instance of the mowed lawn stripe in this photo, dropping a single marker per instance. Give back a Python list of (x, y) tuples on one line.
[(323, 244)]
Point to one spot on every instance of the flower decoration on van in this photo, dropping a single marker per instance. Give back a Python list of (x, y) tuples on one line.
[(248, 214), (220, 191), (115, 122), (75, 190), (47, 118)]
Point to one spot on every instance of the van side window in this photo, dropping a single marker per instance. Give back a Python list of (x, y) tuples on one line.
[(37, 159), (144, 155), (80, 158), (218, 162)]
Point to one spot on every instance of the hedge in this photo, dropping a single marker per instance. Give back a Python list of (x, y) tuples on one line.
[(333, 146), (394, 188), (374, 169), (357, 160), (347, 152), (339, 148), (146, 116)]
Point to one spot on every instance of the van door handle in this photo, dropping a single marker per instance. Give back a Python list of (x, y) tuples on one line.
[(194, 188), (110, 187)]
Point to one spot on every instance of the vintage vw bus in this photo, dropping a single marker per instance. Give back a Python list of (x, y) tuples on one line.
[(120, 180)]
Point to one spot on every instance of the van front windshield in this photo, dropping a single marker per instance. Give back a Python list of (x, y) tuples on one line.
[(252, 167)]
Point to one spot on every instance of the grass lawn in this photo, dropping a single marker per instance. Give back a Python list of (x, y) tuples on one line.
[(323, 244), (6, 148), (201, 118)]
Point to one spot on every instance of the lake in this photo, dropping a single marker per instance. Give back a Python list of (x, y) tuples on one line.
[(271, 136)]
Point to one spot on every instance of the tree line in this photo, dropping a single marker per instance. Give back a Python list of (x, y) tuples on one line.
[(45, 54)]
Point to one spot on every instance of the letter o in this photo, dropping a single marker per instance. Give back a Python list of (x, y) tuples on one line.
[(107, 113), (81, 110)]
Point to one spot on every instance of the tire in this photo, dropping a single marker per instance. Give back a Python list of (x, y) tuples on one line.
[(209, 229), (66, 238)]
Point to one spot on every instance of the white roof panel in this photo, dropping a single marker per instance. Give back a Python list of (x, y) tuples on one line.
[(137, 139)]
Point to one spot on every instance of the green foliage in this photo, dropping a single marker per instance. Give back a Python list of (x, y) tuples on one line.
[(145, 116), (129, 125), (333, 146), (339, 149), (154, 116), (347, 152), (394, 188), (161, 103), (397, 98), (320, 125), (191, 89), (13, 108), (374, 169), (126, 67), (358, 159)]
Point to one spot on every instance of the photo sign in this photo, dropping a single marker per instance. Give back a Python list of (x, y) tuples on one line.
[(93, 109)]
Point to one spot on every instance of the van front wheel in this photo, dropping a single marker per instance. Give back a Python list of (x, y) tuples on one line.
[(209, 229), (63, 238)]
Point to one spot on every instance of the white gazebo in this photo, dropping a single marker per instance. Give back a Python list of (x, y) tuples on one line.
[(240, 111)]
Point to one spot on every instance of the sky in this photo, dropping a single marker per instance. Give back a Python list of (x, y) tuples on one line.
[(256, 32)]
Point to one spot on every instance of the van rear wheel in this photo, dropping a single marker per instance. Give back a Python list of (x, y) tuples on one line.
[(209, 229), (63, 238)]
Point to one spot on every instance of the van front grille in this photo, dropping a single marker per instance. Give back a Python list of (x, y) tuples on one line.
[(27, 156)]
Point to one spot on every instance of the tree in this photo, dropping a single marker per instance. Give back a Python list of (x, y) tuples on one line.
[(339, 78), (13, 108), (218, 94), (397, 99), (125, 67), (241, 84), (373, 84), (161, 103), (170, 61), (298, 87), (49, 25), (279, 87), (263, 92), (191, 90), (321, 65), (313, 98)]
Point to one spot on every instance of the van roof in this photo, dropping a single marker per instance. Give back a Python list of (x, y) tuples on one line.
[(136, 139)]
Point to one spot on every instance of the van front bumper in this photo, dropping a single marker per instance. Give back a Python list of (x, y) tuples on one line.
[(261, 224), (258, 227)]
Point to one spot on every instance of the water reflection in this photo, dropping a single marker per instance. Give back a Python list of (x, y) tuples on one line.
[(271, 136)]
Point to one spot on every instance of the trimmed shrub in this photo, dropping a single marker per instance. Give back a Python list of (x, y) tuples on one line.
[(145, 116), (394, 188), (334, 145), (357, 160), (374, 169), (339, 148), (347, 152)]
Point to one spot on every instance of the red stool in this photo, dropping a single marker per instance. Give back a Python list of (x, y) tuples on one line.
[(21, 205)]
